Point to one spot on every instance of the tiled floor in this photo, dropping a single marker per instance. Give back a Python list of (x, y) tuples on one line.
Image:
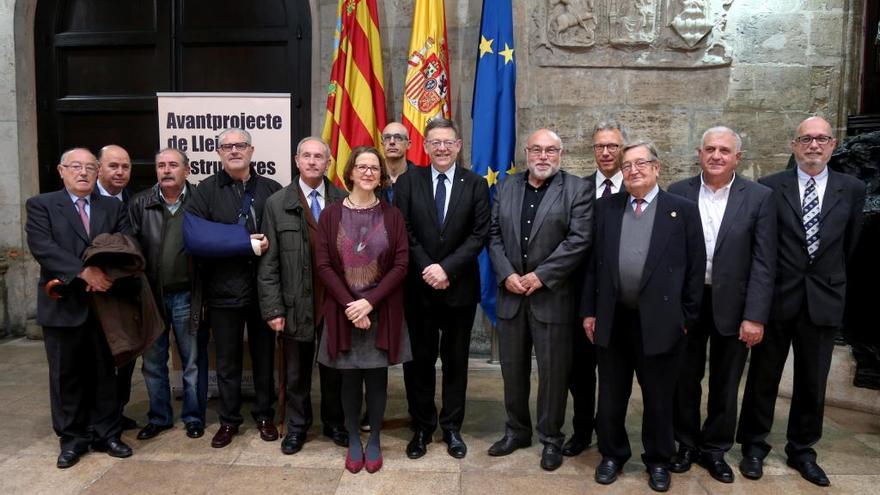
[(173, 463)]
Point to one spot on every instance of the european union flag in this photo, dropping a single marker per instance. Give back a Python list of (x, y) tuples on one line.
[(494, 115)]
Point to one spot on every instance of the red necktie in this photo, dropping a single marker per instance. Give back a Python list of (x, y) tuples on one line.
[(639, 206)]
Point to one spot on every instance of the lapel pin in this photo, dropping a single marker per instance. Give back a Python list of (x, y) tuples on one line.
[(673, 213)]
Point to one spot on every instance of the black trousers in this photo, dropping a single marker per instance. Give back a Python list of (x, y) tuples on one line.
[(657, 376), (812, 346), (227, 326), (300, 359), (82, 385), (552, 343), (123, 384), (443, 331), (582, 383), (727, 359)]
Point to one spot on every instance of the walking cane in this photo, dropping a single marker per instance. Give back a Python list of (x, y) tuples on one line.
[(282, 382)]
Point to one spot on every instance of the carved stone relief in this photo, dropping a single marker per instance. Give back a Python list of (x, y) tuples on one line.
[(630, 33)]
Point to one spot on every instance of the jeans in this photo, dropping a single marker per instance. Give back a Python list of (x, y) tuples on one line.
[(155, 369)]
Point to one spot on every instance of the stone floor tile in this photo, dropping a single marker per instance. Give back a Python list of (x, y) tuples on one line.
[(37, 475), (396, 482), (147, 477)]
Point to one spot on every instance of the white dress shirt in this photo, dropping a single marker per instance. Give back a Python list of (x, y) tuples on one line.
[(821, 182), (307, 190), (450, 176), (712, 205), (616, 181), (649, 198), (105, 192)]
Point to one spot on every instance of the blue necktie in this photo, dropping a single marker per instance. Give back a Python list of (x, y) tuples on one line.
[(316, 207), (440, 198)]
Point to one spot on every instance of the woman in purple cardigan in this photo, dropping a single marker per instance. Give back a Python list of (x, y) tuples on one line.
[(362, 253)]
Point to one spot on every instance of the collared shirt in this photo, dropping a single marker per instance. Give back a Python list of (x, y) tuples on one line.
[(307, 190), (712, 205), (105, 192), (649, 198), (821, 182), (75, 198), (616, 181), (173, 207), (450, 175), (532, 197)]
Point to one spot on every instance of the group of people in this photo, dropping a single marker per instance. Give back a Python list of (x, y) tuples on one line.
[(607, 271)]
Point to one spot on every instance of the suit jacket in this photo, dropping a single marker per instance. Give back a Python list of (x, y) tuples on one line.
[(57, 239), (822, 282), (455, 245), (560, 236), (744, 261), (672, 282)]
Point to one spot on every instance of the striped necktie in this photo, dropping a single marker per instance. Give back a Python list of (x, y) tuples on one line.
[(811, 218)]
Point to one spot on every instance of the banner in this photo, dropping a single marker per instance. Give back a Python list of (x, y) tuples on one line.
[(356, 93), (493, 141), (191, 123), (427, 88)]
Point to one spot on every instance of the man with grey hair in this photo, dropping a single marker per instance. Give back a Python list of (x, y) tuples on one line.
[(236, 195), (540, 231), (739, 229), (291, 294), (608, 139), (641, 294), (157, 222)]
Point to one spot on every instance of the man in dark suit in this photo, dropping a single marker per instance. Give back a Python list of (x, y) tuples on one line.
[(739, 228), (819, 215), (114, 173), (642, 292), (446, 209), (82, 388), (608, 139), (541, 221)]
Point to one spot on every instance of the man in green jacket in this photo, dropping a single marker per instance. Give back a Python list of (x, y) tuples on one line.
[(291, 294)]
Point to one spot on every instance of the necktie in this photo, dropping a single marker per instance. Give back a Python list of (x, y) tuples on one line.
[(440, 198), (607, 191), (811, 217), (639, 202), (81, 208), (316, 207)]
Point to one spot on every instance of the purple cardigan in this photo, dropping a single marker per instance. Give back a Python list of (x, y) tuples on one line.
[(386, 298)]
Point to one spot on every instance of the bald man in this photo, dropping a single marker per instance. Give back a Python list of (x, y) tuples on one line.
[(819, 215)]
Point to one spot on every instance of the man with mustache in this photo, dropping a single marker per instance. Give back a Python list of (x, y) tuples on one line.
[(157, 223)]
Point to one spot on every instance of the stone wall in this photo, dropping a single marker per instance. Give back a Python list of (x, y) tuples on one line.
[(788, 59)]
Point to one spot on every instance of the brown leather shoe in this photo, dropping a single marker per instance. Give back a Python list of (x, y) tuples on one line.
[(224, 435), (268, 431)]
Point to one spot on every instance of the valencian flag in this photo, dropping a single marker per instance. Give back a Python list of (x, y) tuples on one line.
[(494, 116), (356, 94), (426, 89)]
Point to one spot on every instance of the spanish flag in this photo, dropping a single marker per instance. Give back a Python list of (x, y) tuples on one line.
[(427, 90), (356, 94)]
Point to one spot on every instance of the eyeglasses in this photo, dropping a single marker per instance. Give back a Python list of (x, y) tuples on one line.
[(821, 140), (612, 148), (447, 143), (637, 165), (538, 151), (77, 167), (400, 138), (238, 146), (363, 169)]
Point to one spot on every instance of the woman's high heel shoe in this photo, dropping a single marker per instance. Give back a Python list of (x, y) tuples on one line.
[(355, 466)]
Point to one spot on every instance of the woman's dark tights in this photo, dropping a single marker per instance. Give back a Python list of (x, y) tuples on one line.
[(375, 380)]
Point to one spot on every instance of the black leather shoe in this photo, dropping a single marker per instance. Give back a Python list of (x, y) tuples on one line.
[(751, 467), (454, 444), (67, 458), (507, 445), (576, 444), (418, 446), (718, 469), (268, 430), (682, 460), (811, 472), (658, 478), (607, 471), (293, 442), (224, 435), (551, 457), (338, 435), (151, 430), (114, 447), (127, 423), (194, 429)]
